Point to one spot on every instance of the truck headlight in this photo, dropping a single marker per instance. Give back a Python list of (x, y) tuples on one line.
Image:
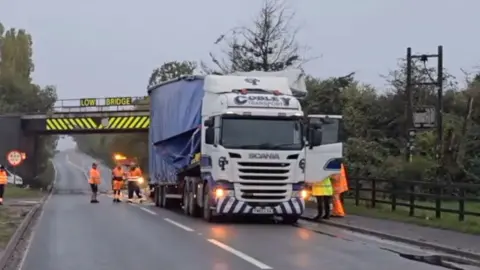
[(304, 194), (140, 180), (221, 193)]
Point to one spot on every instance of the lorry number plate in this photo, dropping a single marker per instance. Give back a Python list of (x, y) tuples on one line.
[(262, 210)]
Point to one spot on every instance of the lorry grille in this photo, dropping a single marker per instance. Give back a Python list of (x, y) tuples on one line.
[(263, 181), (263, 171)]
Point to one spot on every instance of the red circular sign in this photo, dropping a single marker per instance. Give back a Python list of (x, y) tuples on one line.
[(14, 157)]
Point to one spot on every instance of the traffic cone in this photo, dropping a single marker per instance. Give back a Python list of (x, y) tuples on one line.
[(338, 210)]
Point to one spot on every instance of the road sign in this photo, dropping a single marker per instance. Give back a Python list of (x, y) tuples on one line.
[(14, 157), (424, 117)]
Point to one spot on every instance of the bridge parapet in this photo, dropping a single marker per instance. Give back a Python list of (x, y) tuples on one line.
[(99, 105), (92, 115)]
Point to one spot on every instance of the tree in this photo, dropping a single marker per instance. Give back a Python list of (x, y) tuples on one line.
[(171, 70), (16, 53), (269, 44), (19, 95)]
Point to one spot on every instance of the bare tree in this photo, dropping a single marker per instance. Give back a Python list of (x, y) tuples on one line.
[(268, 45)]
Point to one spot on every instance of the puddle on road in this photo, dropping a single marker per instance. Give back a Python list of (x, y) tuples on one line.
[(403, 250), (436, 260)]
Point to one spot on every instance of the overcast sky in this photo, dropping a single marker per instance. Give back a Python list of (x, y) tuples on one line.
[(108, 48)]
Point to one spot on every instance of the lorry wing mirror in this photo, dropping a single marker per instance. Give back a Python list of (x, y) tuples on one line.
[(208, 123), (209, 135), (315, 137)]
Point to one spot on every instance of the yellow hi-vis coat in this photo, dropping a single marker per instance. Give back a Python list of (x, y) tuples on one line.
[(323, 188)]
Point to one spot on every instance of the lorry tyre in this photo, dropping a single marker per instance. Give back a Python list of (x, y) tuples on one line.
[(156, 196), (207, 212), (186, 205), (290, 220), (163, 198), (192, 205)]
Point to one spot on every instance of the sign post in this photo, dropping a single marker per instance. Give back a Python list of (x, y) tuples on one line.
[(15, 158)]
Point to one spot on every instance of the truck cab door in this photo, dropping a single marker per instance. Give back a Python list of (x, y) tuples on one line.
[(214, 152), (325, 159)]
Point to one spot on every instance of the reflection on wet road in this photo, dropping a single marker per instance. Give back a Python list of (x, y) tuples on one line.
[(74, 234)]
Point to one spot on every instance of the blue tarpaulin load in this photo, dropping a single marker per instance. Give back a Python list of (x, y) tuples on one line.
[(175, 116)]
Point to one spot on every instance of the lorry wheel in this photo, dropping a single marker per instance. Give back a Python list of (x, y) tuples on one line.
[(290, 220), (193, 206), (156, 196), (186, 205), (163, 198), (207, 212)]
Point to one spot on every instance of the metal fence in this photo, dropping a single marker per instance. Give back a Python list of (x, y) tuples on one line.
[(439, 197)]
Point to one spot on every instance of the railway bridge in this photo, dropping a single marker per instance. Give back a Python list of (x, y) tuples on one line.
[(70, 116)]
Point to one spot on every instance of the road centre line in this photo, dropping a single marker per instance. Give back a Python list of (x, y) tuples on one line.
[(239, 254), (188, 229), (148, 211), (83, 170)]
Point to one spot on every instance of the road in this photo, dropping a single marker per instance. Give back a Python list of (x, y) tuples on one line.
[(73, 234)]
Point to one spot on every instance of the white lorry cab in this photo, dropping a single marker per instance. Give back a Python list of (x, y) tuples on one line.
[(225, 145)]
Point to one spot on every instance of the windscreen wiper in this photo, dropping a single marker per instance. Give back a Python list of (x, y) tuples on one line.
[(266, 146), (249, 146), (280, 145)]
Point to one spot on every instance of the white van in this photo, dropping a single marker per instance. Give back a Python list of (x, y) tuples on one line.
[(14, 179)]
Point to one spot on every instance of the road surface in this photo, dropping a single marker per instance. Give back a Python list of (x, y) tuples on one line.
[(74, 234)]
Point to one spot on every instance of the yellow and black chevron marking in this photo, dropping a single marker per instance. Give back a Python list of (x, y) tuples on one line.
[(98, 123)]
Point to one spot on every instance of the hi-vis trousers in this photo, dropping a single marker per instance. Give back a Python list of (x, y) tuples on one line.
[(133, 187)]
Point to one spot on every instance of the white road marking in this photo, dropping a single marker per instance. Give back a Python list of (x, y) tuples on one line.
[(239, 254), (32, 234), (83, 170), (148, 211), (188, 229)]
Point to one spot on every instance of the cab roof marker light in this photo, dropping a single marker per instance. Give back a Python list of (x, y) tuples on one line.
[(298, 114), (277, 92), (229, 112), (243, 91)]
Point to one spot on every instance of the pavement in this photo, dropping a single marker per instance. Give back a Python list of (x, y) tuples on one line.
[(71, 233), (444, 238)]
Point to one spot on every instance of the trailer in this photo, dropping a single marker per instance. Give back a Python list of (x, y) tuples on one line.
[(227, 145)]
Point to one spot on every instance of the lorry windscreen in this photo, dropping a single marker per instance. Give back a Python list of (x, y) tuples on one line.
[(262, 133)]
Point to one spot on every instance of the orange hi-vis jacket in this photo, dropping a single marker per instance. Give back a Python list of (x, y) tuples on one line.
[(94, 177), (340, 183), (3, 178), (134, 175), (117, 173)]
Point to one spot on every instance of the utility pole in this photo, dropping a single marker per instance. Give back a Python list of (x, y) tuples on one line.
[(414, 123)]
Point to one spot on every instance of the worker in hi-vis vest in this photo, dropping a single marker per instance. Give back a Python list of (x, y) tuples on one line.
[(3, 182), (134, 177), (340, 185), (94, 181), (117, 182), (323, 192)]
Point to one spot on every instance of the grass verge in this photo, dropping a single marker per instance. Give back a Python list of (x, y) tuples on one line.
[(10, 219), (14, 192), (422, 217)]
